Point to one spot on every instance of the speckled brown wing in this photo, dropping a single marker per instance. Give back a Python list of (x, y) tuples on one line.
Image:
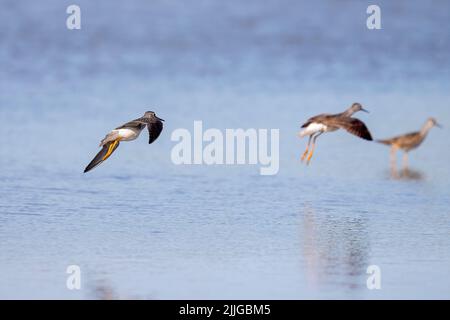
[(354, 126)]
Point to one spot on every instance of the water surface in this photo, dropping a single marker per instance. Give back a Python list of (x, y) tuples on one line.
[(145, 228)]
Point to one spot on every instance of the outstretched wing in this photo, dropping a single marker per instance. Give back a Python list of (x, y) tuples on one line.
[(313, 119), (104, 154), (355, 127), (154, 130), (138, 124)]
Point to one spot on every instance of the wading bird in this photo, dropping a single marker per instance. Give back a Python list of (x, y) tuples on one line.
[(127, 132), (408, 142), (320, 124)]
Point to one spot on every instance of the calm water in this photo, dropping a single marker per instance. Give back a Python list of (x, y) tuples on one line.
[(141, 227)]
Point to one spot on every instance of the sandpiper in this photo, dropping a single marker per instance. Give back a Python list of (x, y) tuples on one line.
[(127, 132), (408, 142), (320, 124)]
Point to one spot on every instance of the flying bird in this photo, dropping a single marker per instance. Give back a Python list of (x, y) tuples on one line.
[(127, 132), (409, 141), (322, 123)]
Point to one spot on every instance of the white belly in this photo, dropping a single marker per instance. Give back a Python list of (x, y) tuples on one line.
[(313, 128), (127, 134)]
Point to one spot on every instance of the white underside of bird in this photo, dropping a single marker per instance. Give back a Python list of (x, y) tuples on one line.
[(315, 127), (127, 134)]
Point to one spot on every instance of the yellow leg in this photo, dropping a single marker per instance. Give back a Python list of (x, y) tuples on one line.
[(305, 154), (310, 156), (307, 149), (393, 157), (110, 149), (405, 161), (313, 147)]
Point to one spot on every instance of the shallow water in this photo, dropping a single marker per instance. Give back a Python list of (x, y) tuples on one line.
[(145, 228)]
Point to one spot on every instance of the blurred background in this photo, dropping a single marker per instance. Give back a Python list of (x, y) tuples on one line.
[(146, 228)]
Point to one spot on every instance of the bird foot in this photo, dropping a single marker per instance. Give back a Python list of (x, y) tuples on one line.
[(309, 158), (110, 149), (304, 155)]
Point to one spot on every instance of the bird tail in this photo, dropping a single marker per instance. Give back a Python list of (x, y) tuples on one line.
[(104, 154), (387, 142), (303, 133)]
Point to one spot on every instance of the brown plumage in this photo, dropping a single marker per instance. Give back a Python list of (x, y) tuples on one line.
[(127, 132), (316, 126), (154, 126), (353, 126), (408, 142)]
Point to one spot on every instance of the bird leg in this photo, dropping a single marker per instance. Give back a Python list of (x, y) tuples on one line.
[(111, 148), (394, 162), (405, 161), (307, 148), (312, 148), (393, 157)]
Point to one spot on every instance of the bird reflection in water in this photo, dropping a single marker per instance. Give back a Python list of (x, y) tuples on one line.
[(335, 248), (406, 174)]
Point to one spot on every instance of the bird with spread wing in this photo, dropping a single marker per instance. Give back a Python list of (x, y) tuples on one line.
[(316, 126), (127, 132)]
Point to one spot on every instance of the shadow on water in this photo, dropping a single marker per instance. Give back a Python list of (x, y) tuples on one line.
[(335, 248), (104, 290), (406, 174)]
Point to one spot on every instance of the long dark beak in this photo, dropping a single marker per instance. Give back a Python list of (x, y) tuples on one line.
[(439, 125), (362, 109), (160, 119)]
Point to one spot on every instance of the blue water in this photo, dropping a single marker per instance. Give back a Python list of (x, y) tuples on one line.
[(141, 227)]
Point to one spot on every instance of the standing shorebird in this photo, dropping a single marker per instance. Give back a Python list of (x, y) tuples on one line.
[(408, 142), (127, 132), (320, 124)]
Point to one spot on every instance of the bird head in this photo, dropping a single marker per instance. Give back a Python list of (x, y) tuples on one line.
[(431, 122), (357, 107)]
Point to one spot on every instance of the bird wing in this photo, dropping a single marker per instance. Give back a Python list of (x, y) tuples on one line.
[(103, 154), (354, 126), (154, 130), (138, 124), (313, 119), (154, 127)]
